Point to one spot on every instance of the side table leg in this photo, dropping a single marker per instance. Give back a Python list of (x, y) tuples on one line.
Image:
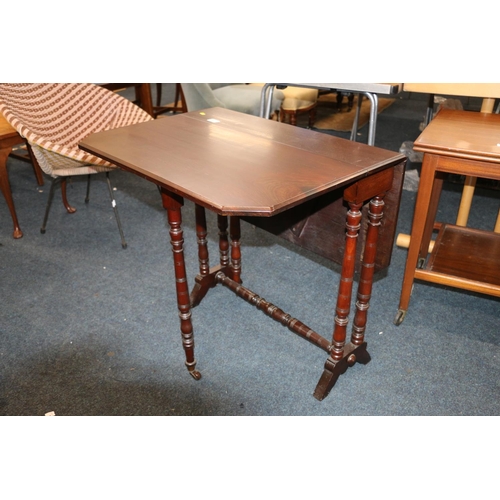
[(375, 214), (6, 191), (338, 361), (201, 234), (173, 203), (235, 234), (201, 285), (418, 230), (223, 240)]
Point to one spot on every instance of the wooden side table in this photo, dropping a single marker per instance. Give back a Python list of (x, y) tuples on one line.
[(489, 92), (464, 143), (239, 165)]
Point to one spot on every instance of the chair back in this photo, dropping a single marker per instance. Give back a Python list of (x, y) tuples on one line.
[(200, 96), (54, 117)]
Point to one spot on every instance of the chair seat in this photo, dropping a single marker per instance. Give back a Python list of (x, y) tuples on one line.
[(297, 98), (64, 166)]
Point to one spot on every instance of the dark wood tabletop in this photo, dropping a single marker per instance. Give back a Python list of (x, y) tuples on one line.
[(238, 164)]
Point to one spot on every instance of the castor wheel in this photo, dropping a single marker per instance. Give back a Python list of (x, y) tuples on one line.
[(400, 316)]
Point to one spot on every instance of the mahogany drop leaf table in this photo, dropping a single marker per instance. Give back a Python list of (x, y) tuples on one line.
[(242, 166)]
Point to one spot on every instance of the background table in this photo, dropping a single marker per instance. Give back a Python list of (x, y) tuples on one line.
[(489, 92), (240, 165), (463, 143), (370, 90)]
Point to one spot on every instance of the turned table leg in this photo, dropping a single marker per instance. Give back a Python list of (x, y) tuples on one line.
[(201, 235), (235, 235), (223, 240), (375, 214), (173, 203), (342, 355), (334, 366), (346, 281)]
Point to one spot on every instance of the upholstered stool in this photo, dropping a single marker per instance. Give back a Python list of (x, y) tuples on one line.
[(298, 100)]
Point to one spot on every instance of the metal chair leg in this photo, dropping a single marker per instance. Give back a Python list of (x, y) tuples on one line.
[(55, 182), (113, 204), (354, 130), (88, 189)]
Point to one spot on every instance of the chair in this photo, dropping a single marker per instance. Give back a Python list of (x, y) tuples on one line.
[(238, 97), (298, 100), (179, 106), (53, 118)]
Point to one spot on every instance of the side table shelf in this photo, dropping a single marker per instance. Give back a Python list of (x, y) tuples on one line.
[(464, 257)]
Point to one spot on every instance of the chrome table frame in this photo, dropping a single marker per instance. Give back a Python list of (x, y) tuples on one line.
[(370, 90)]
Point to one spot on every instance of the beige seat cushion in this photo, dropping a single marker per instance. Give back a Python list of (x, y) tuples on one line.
[(297, 98)]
